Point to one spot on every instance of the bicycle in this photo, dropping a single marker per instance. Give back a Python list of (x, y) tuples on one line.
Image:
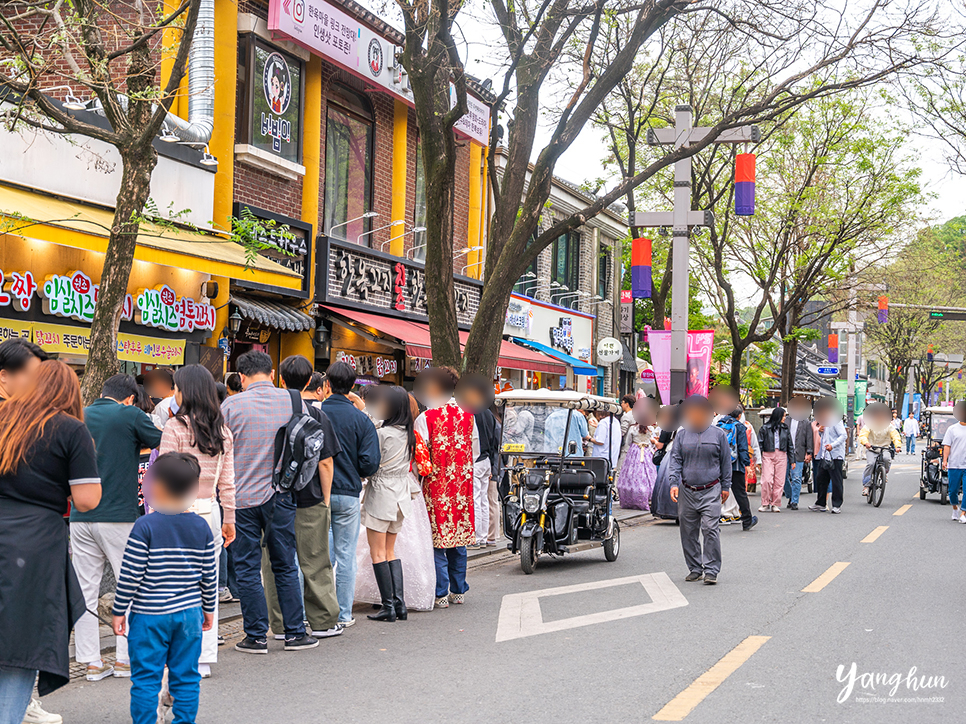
[(878, 481)]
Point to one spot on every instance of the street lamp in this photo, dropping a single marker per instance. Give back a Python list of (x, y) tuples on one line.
[(367, 215), (234, 324), (366, 233), (414, 230)]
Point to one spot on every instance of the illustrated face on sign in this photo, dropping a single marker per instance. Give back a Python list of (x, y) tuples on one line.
[(695, 376), (276, 83)]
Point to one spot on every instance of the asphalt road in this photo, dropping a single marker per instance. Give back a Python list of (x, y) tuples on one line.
[(893, 607)]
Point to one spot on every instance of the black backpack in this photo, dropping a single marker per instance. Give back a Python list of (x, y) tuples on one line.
[(298, 447)]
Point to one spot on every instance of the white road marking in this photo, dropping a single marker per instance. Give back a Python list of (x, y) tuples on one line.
[(520, 614)]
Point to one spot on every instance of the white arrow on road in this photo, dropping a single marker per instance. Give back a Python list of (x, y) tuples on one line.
[(520, 614)]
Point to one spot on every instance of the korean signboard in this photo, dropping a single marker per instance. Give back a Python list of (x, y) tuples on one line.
[(74, 296), (326, 30), (355, 276), (627, 312), (368, 364), (293, 239), (276, 103), (76, 341)]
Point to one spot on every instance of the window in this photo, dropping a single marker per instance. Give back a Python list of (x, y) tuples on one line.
[(419, 212), (528, 284), (348, 165), (565, 267), (603, 271), (270, 88)]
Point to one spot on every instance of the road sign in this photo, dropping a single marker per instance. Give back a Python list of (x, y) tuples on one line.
[(948, 316), (828, 371)]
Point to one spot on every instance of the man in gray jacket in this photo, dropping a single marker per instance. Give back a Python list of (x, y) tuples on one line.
[(700, 478)]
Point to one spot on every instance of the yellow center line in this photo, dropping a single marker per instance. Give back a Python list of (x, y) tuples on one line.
[(874, 535), (902, 510), (826, 578), (685, 702)]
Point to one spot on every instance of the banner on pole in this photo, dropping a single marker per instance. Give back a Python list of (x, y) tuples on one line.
[(700, 346)]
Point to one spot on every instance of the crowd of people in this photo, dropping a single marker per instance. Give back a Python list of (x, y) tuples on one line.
[(247, 488), (273, 496)]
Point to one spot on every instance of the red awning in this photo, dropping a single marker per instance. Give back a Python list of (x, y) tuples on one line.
[(415, 335)]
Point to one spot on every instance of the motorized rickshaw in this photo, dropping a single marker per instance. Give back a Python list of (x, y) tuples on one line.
[(556, 499), (932, 478)]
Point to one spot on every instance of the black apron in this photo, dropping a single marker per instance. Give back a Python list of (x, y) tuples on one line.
[(40, 597)]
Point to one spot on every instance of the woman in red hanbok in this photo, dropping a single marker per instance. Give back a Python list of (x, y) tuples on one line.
[(454, 443)]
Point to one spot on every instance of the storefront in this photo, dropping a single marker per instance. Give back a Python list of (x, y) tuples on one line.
[(269, 317), (373, 315), (559, 332), (51, 259)]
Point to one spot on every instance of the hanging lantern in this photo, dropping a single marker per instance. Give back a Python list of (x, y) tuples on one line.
[(929, 353), (641, 269), (883, 309), (833, 349), (745, 184)]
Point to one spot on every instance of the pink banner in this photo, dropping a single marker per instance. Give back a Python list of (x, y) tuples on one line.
[(660, 344), (700, 345)]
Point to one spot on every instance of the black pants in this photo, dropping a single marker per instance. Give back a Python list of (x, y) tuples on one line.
[(741, 496), (828, 472)]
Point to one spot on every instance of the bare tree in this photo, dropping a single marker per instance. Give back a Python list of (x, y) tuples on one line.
[(795, 52), (111, 51), (833, 191)]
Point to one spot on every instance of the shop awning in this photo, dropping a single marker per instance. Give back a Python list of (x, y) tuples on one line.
[(628, 361), (415, 335), (579, 366), (82, 226), (272, 314)]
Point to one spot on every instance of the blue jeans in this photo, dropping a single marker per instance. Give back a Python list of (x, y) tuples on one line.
[(16, 688), (343, 539), (793, 481), (450, 570), (911, 444), (955, 485), (275, 519), (226, 567), (155, 640)]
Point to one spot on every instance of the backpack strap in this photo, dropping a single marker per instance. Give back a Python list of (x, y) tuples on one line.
[(296, 402)]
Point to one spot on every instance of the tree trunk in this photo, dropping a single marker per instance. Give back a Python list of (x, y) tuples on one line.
[(483, 344), (789, 358), (137, 166), (736, 353)]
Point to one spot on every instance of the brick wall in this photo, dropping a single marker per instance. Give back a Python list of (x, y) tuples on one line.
[(267, 191)]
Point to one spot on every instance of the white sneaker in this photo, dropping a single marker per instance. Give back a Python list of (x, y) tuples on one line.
[(204, 670), (962, 518), (764, 509), (956, 513), (36, 715), (96, 673), (776, 509)]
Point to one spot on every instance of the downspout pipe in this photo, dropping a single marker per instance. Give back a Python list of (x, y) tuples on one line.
[(201, 82)]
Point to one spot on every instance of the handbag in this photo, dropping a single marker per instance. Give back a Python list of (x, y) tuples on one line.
[(204, 506)]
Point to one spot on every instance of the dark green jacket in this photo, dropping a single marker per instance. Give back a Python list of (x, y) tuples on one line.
[(119, 432)]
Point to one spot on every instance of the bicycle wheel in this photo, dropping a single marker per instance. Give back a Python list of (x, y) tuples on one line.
[(878, 488)]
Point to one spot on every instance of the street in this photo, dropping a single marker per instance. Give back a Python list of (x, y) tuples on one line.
[(888, 610)]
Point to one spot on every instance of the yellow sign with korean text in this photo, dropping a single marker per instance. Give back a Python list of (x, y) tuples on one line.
[(12, 329), (130, 347)]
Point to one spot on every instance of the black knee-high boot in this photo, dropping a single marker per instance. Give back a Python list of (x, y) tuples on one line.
[(384, 581), (398, 596)]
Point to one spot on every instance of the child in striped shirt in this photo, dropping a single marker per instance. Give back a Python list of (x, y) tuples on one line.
[(168, 581)]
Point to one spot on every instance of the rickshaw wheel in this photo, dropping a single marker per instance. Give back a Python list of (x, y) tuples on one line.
[(943, 493), (922, 493), (612, 546), (528, 555)]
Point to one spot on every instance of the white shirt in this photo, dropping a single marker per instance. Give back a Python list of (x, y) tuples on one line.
[(910, 427), (955, 440), (613, 426)]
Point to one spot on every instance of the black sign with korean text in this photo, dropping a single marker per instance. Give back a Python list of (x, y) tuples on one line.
[(356, 276), (292, 236)]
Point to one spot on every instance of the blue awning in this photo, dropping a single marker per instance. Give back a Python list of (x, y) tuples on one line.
[(579, 366)]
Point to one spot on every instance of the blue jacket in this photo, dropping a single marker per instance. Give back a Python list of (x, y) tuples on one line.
[(357, 435), (741, 440)]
